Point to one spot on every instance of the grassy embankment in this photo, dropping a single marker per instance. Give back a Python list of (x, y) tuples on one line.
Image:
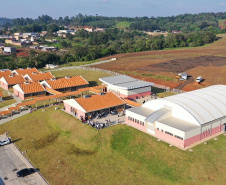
[(7, 100), (68, 152)]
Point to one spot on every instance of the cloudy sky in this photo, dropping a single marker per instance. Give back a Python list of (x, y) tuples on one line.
[(130, 8)]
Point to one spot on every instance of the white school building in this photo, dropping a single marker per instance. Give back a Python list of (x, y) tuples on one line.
[(126, 86), (184, 119)]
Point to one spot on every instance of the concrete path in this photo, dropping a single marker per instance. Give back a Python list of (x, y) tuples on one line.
[(15, 116), (85, 65), (12, 160)]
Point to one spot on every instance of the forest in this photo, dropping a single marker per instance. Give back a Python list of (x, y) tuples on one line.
[(184, 23)]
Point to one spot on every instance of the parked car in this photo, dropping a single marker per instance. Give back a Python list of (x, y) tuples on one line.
[(5, 141), (24, 172), (199, 79)]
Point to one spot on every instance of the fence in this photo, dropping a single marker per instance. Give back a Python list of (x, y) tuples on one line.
[(97, 69)]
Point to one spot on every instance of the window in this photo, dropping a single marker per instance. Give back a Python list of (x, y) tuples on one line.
[(169, 133), (178, 137)]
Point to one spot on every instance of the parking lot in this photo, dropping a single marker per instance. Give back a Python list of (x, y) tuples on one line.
[(11, 161)]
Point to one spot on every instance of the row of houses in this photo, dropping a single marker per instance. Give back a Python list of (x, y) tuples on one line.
[(29, 83)]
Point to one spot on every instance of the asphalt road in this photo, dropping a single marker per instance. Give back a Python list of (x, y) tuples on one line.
[(11, 161)]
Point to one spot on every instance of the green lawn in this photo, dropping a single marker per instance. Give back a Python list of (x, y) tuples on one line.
[(7, 102), (68, 152), (122, 24), (91, 76), (165, 94), (6, 99)]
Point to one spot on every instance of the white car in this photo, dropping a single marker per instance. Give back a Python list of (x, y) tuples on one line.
[(199, 79), (5, 141)]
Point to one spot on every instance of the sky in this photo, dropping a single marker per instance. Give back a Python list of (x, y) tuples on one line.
[(129, 8)]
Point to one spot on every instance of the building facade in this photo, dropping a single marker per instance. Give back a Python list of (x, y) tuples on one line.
[(185, 119)]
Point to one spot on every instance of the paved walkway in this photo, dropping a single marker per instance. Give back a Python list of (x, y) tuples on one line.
[(12, 160), (85, 65), (15, 116)]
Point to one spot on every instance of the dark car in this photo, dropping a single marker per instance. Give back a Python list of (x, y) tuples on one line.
[(25, 172)]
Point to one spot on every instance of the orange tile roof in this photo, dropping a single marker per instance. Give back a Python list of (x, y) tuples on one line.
[(84, 89), (14, 108), (5, 73), (26, 103), (16, 79), (32, 87), (41, 76), (98, 102), (26, 71), (53, 91), (5, 112), (1, 95), (135, 104), (64, 82)]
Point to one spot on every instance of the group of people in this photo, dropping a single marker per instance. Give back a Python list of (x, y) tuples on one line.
[(92, 123), (96, 125)]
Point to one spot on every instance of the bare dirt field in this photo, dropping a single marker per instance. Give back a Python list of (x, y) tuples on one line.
[(162, 66)]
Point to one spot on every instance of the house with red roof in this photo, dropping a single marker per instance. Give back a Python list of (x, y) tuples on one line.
[(9, 81), (23, 72), (37, 77), (5, 72), (67, 84), (91, 105), (29, 90)]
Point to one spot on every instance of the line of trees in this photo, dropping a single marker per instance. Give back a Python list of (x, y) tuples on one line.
[(86, 46), (184, 23)]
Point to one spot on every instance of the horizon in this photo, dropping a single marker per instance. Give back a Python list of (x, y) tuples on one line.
[(108, 8)]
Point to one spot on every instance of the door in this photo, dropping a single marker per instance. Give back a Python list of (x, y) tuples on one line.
[(224, 127)]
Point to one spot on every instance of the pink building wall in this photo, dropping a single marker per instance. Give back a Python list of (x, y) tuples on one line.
[(18, 94), (79, 113), (176, 141), (168, 138), (136, 125), (202, 136), (4, 86), (140, 95), (134, 96)]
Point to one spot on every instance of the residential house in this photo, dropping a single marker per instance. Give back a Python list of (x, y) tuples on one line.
[(23, 72), (29, 90), (7, 82), (90, 106), (35, 77), (67, 84), (9, 50)]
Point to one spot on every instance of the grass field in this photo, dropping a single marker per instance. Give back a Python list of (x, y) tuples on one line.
[(68, 152), (7, 102), (122, 24), (91, 76), (165, 94)]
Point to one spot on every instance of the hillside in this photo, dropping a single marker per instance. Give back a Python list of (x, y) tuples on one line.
[(69, 152), (162, 66)]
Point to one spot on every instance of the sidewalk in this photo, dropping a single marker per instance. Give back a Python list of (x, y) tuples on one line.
[(15, 116)]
